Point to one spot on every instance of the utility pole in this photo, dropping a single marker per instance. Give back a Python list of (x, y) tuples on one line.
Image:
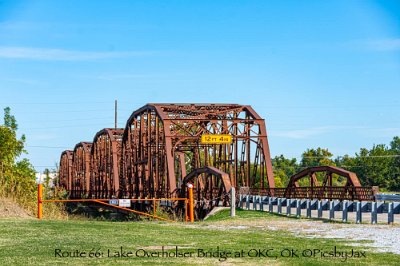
[(116, 114)]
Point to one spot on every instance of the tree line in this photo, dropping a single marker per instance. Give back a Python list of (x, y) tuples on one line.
[(377, 166)]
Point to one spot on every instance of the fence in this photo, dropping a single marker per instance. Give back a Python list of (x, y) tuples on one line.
[(189, 204)]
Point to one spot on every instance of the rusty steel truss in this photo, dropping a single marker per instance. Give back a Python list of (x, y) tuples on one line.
[(161, 144), (325, 188), (105, 162), (161, 151), (81, 170), (65, 171), (321, 187)]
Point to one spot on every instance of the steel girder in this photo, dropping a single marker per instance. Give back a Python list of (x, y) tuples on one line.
[(161, 143), (81, 170), (105, 161)]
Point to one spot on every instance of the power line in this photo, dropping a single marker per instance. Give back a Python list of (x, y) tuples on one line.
[(72, 120), (47, 147), (62, 103), (369, 156), (71, 126), (70, 111)]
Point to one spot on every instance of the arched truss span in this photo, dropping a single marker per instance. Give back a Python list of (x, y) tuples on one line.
[(105, 162), (324, 190), (211, 186), (65, 174), (81, 170), (162, 142)]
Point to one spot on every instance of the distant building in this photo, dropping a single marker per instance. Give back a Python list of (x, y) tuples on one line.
[(41, 178)]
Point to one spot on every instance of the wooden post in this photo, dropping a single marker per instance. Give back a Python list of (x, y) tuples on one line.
[(191, 203), (344, 211), (255, 200), (40, 195), (288, 207), (331, 210), (391, 213), (308, 208), (270, 206), (233, 202), (261, 202), (319, 207), (298, 208), (279, 205), (374, 213), (359, 212)]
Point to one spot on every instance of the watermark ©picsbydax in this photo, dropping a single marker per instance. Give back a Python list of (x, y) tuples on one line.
[(217, 253)]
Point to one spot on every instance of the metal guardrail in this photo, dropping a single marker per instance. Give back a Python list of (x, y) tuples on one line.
[(387, 197), (295, 206), (316, 192)]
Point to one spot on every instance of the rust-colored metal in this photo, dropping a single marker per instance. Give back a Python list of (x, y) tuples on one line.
[(352, 179), (319, 192), (323, 189), (81, 170), (326, 190), (211, 187), (105, 161), (65, 172), (162, 142)]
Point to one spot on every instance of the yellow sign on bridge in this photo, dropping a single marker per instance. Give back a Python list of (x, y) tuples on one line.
[(216, 139)]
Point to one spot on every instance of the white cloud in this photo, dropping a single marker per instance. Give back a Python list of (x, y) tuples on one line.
[(384, 44), (61, 54), (310, 132)]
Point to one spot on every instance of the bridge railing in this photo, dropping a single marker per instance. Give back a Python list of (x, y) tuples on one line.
[(317, 192), (317, 208)]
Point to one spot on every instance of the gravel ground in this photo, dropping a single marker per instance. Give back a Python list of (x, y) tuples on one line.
[(385, 238)]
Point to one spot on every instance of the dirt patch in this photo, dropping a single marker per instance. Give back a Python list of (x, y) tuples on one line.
[(9, 208)]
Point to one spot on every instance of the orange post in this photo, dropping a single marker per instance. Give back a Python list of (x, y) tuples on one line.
[(191, 203), (40, 195), (186, 210)]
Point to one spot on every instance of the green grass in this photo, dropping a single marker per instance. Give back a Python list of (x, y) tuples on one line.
[(33, 242)]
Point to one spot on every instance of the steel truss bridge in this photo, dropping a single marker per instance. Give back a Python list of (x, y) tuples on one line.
[(160, 151)]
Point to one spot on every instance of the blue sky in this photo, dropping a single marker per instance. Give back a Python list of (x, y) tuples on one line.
[(322, 73)]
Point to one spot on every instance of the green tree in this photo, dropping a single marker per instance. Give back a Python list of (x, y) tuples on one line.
[(283, 169), (17, 178), (10, 146), (394, 182), (378, 166), (316, 157), (374, 165)]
